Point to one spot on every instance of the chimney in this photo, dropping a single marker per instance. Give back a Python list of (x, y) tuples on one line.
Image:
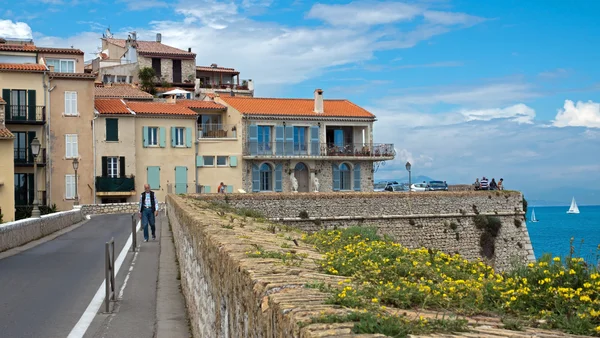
[(171, 99), (250, 84), (158, 37), (319, 101), (189, 49)]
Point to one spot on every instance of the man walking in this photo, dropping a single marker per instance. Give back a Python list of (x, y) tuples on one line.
[(148, 211)]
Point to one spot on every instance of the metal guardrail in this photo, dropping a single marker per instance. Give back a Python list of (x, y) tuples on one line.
[(109, 274), (133, 232)]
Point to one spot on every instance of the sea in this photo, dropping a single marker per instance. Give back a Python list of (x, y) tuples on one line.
[(553, 233)]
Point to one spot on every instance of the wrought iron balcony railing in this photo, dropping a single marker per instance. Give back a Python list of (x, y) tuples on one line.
[(115, 184), (25, 114), (217, 131), (290, 149)]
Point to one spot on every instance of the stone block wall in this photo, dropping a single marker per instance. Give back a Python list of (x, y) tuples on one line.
[(17, 233), (113, 208), (188, 68)]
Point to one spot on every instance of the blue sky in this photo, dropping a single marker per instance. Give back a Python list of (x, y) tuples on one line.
[(462, 88)]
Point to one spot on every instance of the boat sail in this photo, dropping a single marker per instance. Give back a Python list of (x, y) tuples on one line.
[(573, 209), (533, 219)]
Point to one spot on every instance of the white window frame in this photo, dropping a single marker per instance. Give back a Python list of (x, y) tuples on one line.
[(60, 65), (71, 104), (71, 146), (224, 164), (152, 137), (112, 169), (70, 186), (179, 137), (204, 161)]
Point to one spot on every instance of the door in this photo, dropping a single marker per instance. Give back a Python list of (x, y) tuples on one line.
[(301, 174), (338, 138), (181, 180), (177, 71)]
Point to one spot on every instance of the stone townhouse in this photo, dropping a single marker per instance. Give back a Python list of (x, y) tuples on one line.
[(320, 145), (214, 79)]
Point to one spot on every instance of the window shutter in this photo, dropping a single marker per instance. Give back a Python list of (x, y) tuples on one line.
[(163, 137), (279, 139), (278, 177), (336, 177), (230, 189), (122, 166), (75, 142), (153, 177), (255, 178), (31, 105), (289, 140), (6, 97), (314, 141), (357, 177), (145, 136), (173, 137), (30, 187), (233, 161), (206, 189), (104, 166), (67, 104), (180, 180), (188, 137), (112, 129), (199, 161), (74, 103), (253, 139)]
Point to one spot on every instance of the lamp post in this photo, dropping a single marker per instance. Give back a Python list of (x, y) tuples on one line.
[(408, 166), (35, 151), (75, 167)]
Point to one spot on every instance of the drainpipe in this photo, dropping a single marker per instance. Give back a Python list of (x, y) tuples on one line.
[(94, 151), (197, 144)]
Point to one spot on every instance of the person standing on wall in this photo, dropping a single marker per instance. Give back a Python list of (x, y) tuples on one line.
[(148, 211), (221, 189)]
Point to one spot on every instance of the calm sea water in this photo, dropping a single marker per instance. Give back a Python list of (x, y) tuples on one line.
[(555, 228)]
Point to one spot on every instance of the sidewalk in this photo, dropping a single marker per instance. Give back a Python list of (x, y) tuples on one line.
[(150, 303)]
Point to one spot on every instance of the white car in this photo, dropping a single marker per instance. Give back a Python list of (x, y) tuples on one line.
[(418, 187), (384, 186)]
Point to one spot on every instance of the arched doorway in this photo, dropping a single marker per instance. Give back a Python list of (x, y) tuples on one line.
[(301, 174)]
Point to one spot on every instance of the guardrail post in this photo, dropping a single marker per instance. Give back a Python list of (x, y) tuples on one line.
[(109, 274), (133, 232)]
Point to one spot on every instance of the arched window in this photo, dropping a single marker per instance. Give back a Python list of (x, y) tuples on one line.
[(266, 177), (345, 177)]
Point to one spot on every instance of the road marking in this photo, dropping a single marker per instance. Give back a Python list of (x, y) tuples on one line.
[(90, 312), (120, 297)]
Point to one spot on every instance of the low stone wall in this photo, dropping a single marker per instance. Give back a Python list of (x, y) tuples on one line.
[(17, 233), (113, 208)]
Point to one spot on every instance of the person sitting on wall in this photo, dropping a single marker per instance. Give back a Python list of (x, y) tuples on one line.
[(500, 184), (484, 184), (493, 185), (477, 185), (221, 188)]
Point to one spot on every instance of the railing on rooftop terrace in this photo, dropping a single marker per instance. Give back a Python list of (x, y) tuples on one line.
[(224, 86), (286, 149), (217, 131), (115, 184), (25, 114)]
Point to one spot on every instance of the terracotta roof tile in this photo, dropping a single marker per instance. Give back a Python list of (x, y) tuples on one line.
[(217, 69), (85, 76), (33, 48), (23, 67), (159, 108), (200, 104), (294, 107), (54, 50), (111, 106), (153, 48), (123, 91), (5, 133)]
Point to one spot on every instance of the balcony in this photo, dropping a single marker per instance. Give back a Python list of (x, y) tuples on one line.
[(25, 114), (212, 131), (24, 158), (258, 150), (115, 186), (223, 86)]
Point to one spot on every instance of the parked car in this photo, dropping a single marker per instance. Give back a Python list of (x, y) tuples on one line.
[(384, 186), (437, 186), (418, 187), (400, 187)]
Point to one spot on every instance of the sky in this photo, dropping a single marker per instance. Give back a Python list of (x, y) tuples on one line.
[(463, 89)]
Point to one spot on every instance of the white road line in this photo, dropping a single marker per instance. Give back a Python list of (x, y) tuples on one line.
[(127, 277), (90, 312)]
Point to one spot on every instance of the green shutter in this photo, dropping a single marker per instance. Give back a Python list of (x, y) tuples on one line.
[(181, 180), (199, 161), (154, 177), (357, 177), (145, 136), (188, 137), (163, 137), (6, 97), (206, 189), (230, 189), (31, 101), (233, 161), (173, 137), (122, 166), (112, 129), (104, 166)]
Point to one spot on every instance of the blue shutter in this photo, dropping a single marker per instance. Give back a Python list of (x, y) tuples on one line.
[(279, 138), (199, 161), (181, 180), (253, 139), (145, 136), (278, 177), (173, 137), (336, 177), (153, 177), (233, 161), (206, 189), (357, 177), (188, 137), (314, 141), (229, 189), (289, 140), (255, 178), (163, 137), (338, 138)]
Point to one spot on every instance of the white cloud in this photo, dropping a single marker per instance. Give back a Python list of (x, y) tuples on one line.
[(364, 13), (451, 18), (17, 30), (518, 113), (554, 74), (581, 114), (135, 5)]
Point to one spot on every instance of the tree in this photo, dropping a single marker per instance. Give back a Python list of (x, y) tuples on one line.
[(147, 76)]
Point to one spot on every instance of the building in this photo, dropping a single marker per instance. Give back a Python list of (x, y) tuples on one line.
[(221, 80), (7, 192), (287, 140)]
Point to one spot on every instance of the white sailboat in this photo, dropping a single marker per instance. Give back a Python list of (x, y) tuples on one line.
[(573, 209), (533, 219)]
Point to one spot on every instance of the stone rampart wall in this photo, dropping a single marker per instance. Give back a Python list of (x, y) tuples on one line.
[(17, 233), (113, 208)]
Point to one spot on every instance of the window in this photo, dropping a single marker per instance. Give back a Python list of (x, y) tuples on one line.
[(108, 78), (69, 186), (152, 136), (209, 161), (179, 138), (345, 179), (121, 79), (18, 104), (266, 177), (300, 144), (112, 129), (112, 167), (264, 139), (71, 146), (156, 67), (23, 189), (62, 66), (20, 146), (221, 161), (71, 103)]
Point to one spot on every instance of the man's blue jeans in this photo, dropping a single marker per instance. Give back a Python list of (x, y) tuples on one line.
[(148, 217)]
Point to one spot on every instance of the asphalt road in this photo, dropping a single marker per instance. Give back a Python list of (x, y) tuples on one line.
[(45, 290)]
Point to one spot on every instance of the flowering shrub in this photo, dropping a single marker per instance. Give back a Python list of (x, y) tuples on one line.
[(551, 292)]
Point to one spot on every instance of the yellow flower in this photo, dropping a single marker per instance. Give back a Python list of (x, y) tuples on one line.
[(556, 259), (572, 272), (375, 300)]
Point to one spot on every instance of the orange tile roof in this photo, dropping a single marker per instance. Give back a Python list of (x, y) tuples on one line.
[(159, 108), (33, 48), (153, 48), (123, 91), (2, 101), (23, 67), (111, 106), (200, 104), (217, 69), (5, 133), (294, 107), (85, 76)]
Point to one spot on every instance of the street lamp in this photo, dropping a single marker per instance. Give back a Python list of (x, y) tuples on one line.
[(35, 151), (408, 166), (75, 167)]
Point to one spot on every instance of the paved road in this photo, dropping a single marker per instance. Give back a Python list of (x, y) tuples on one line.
[(45, 290)]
